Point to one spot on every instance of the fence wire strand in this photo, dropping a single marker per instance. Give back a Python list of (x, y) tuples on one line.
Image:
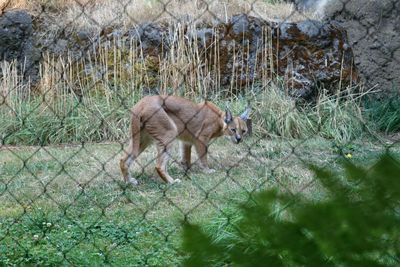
[(69, 197)]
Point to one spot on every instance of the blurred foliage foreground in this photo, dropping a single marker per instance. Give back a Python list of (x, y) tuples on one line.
[(356, 223)]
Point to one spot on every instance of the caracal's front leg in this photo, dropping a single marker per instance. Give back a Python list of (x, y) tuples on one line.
[(202, 149), (186, 150)]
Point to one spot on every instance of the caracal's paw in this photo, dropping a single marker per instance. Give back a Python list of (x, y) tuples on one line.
[(133, 181), (176, 181), (185, 165), (208, 170)]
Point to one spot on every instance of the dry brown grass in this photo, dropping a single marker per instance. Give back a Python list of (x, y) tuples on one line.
[(128, 12), (11, 4), (97, 14)]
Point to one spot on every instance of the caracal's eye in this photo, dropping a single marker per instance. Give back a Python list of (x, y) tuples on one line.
[(233, 130), (244, 131)]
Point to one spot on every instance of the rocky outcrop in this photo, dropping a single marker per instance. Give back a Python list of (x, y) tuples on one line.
[(304, 55), (307, 55), (16, 42), (374, 33)]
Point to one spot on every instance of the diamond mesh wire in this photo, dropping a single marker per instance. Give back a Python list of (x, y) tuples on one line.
[(67, 109)]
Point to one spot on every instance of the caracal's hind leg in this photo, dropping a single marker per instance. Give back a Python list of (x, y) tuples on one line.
[(131, 155), (125, 162), (164, 132)]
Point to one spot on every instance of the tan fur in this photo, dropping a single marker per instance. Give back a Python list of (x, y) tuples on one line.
[(162, 119)]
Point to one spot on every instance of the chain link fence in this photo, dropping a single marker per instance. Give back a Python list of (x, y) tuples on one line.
[(73, 70)]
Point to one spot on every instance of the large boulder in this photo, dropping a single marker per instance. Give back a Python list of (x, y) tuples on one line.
[(16, 42)]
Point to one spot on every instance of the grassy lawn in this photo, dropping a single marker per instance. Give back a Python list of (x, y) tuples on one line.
[(63, 205)]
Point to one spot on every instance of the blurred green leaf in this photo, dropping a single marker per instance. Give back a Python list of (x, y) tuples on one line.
[(356, 224)]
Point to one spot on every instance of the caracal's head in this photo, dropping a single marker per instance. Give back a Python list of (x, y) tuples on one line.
[(236, 128)]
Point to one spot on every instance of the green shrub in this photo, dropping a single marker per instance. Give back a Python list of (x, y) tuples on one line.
[(356, 224)]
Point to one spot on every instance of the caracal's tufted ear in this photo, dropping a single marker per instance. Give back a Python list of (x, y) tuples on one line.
[(245, 115), (228, 116)]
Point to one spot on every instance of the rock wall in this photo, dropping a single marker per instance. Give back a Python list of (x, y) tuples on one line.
[(306, 55), (374, 33), (16, 42), (314, 55)]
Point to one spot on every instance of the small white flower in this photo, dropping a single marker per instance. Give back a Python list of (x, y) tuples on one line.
[(35, 237), (48, 224)]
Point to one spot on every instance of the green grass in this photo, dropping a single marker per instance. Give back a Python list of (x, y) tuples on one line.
[(341, 119), (69, 120), (67, 205), (384, 113), (99, 118)]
